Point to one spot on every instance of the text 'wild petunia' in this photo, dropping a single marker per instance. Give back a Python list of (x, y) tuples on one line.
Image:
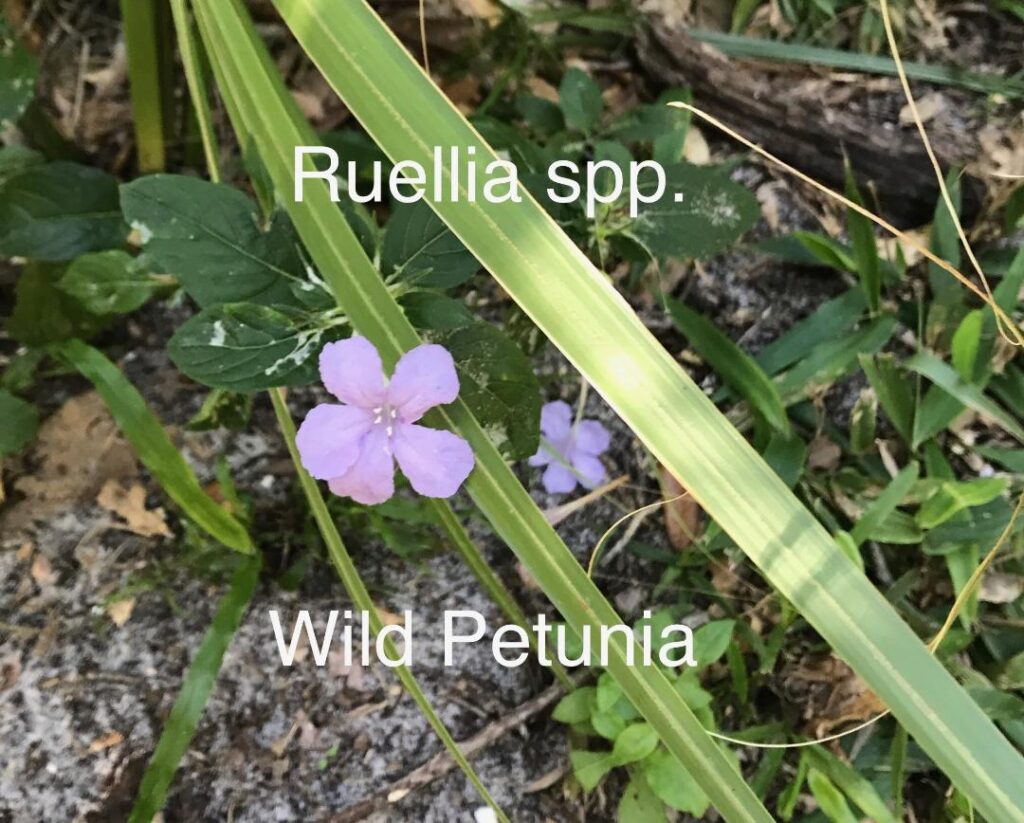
[(354, 445)]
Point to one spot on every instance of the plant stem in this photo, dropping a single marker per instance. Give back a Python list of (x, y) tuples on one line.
[(353, 583), (143, 43), (195, 77)]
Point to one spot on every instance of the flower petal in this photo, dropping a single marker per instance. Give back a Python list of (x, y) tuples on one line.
[(558, 479), (556, 420), (436, 462), (590, 470), (592, 437), (351, 370), (425, 377), (542, 457), (371, 479), (330, 438)]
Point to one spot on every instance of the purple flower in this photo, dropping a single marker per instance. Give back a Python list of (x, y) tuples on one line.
[(569, 451), (354, 446)]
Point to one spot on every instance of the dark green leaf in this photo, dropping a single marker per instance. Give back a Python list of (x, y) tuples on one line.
[(734, 365), (15, 159), (498, 385), (43, 313), (246, 347), (429, 310), (824, 324), (18, 69), (580, 99), (20, 423), (58, 211), (421, 249), (108, 282), (894, 391), (865, 249), (209, 236), (700, 212)]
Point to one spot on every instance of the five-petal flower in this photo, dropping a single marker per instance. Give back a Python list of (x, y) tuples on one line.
[(569, 450), (354, 445)]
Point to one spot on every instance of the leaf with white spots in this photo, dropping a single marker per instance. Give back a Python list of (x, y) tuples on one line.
[(247, 347), (700, 213)]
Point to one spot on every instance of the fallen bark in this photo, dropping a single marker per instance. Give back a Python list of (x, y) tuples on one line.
[(810, 118)]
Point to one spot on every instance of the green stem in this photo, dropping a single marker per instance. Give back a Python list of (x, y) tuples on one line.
[(361, 597), (195, 691), (198, 92), (141, 37)]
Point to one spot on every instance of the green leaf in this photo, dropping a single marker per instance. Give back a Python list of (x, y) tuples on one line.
[(152, 445), (635, 743), (222, 409), (246, 347), (834, 359), (15, 159), (673, 785), (419, 248), (946, 378), (953, 497), (196, 688), (435, 312), (858, 788), (576, 706), (580, 99), (639, 804), (209, 236), (58, 211), (18, 70), (733, 364), (608, 692), (498, 385), (108, 282), (1010, 459), (826, 251), (589, 768), (966, 343), (711, 640), (21, 421), (885, 504), (43, 313), (700, 213), (864, 422), (830, 800), (895, 393), (865, 249)]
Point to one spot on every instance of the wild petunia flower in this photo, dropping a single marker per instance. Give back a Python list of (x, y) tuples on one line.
[(570, 451), (354, 446)]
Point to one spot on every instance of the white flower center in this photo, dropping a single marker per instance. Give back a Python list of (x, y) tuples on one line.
[(385, 416)]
